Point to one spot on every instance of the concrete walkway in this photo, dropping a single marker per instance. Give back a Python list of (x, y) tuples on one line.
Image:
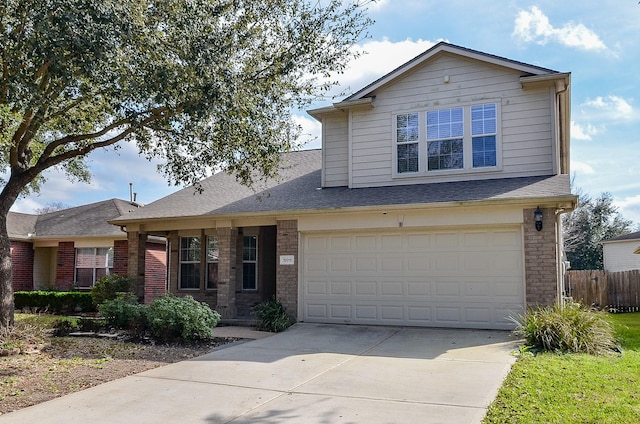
[(312, 373)]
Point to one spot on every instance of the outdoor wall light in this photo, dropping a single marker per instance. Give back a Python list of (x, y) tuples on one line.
[(537, 216)]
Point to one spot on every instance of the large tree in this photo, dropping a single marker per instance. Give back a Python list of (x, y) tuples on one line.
[(196, 83), (593, 221)]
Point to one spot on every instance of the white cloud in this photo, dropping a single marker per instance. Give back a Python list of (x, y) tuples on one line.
[(629, 208), (582, 132), (376, 5), (534, 26), (581, 167), (379, 58), (311, 132), (615, 107)]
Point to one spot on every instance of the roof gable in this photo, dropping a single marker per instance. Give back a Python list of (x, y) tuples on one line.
[(445, 48)]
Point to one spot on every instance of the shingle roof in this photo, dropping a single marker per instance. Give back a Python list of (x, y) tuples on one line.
[(630, 236), (81, 221), (299, 189), (20, 225)]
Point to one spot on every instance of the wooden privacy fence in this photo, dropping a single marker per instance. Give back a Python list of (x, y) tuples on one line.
[(611, 290)]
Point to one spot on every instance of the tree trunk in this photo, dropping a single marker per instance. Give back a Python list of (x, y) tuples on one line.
[(6, 274), (8, 197)]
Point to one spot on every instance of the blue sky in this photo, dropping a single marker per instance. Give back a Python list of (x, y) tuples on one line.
[(599, 45)]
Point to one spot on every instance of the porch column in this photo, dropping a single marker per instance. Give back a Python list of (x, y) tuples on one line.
[(65, 265), (287, 272), (541, 259), (227, 251), (137, 248)]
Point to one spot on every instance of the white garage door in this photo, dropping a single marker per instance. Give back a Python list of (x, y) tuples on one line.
[(468, 278)]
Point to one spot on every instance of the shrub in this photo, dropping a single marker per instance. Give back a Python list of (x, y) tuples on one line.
[(63, 327), (123, 312), (571, 328), (108, 287), (273, 316), (55, 302), (184, 318)]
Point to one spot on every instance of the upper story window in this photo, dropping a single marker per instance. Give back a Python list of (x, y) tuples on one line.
[(92, 263), (457, 139), (189, 263)]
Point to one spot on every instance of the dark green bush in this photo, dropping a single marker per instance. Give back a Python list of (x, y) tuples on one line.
[(55, 302), (63, 327), (171, 318), (572, 328), (91, 324), (108, 287), (273, 316), (123, 312)]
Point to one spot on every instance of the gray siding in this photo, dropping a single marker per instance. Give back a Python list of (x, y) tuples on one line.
[(526, 123), (335, 148)]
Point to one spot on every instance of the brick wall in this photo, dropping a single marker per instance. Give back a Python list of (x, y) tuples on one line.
[(22, 265), (65, 265), (121, 257), (155, 271), (227, 267), (540, 259), (287, 275), (136, 259)]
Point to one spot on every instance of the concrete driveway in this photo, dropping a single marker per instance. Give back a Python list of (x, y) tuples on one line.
[(312, 373)]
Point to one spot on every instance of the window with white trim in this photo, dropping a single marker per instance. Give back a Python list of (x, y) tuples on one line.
[(457, 139), (212, 262), (483, 132), (249, 263), (92, 263), (407, 137), (189, 278), (445, 132)]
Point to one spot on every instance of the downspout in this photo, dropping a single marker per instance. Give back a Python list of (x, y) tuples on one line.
[(561, 257)]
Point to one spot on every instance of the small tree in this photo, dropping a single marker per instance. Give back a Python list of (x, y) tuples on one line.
[(195, 83), (593, 221)]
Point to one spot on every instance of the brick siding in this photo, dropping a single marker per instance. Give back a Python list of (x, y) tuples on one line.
[(155, 271), (287, 275), (22, 265), (540, 259), (65, 265), (121, 257)]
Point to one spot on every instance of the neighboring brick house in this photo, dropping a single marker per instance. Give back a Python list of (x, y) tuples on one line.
[(435, 201), (73, 248)]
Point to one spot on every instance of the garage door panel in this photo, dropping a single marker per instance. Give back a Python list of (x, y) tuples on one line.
[(471, 278)]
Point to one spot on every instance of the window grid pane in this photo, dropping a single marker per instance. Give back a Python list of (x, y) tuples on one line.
[(189, 263), (249, 262), (408, 158), (92, 264), (484, 151), (445, 123), (445, 154)]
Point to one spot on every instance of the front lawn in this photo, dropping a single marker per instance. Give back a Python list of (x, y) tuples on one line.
[(575, 388)]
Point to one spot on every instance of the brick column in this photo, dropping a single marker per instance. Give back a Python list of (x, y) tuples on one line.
[(137, 247), (540, 259), (22, 265), (287, 275), (65, 265), (155, 280), (227, 255), (121, 257)]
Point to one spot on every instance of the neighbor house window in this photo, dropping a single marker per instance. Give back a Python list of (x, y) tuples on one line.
[(249, 263), (212, 262), (462, 138), (189, 263), (92, 263)]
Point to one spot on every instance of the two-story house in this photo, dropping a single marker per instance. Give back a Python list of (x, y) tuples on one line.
[(435, 201)]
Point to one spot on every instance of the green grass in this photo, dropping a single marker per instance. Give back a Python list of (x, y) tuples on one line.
[(575, 388)]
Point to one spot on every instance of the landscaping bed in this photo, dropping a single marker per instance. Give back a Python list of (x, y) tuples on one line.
[(50, 367)]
